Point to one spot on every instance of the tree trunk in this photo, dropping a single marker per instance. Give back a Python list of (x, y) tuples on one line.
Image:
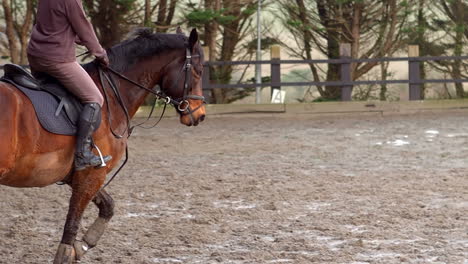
[(230, 40), (356, 34), (308, 42), (25, 30), (10, 32), (334, 71), (171, 12), (333, 51), (420, 40), (211, 33), (211, 29), (147, 19), (383, 76), (457, 64), (161, 20)]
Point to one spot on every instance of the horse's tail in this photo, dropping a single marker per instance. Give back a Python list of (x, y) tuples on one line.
[(10, 102)]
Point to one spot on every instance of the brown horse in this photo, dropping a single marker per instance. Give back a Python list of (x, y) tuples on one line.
[(32, 157)]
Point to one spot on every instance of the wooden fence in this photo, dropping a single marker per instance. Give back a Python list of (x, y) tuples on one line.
[(346, 83)]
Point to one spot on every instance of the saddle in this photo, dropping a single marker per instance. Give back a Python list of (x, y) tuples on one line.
[(57, 109)]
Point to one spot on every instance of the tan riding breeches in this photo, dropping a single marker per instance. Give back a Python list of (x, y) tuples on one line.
[(72, 76)]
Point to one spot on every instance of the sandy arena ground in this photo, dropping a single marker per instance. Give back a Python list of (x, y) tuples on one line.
[(271, 189)]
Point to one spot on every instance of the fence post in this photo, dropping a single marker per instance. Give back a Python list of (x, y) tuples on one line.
[(414, 73), (275, 68), (207, 90), (346, 90)]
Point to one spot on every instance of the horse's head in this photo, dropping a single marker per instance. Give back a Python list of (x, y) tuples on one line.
[(182, 80), (174, 62)]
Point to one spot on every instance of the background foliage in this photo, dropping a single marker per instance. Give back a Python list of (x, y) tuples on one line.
[(307, 29)]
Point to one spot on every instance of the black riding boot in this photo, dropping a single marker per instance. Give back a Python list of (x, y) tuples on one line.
[(89, 122)]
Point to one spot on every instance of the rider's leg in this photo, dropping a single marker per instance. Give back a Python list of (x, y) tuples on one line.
[(89, 121), (78, 81), (72, 76)]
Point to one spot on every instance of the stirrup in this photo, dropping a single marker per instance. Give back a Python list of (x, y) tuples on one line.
[(103, 162), (90, 164), (90, 160)]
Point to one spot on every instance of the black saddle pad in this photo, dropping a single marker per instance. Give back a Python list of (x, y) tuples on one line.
[(50, 109)]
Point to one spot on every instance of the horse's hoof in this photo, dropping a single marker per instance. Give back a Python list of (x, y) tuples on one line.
[(80, 249), (65, 254)]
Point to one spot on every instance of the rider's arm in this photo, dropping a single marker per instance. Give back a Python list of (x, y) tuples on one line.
[(83, 28), (78, 41)]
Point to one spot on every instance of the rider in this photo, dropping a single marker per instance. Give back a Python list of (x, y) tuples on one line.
[(59, 25)]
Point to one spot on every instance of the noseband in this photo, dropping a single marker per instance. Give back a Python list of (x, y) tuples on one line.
[(182, 104)]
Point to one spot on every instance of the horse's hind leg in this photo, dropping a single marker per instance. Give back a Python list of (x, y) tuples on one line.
[(85, 186), (105, 205)]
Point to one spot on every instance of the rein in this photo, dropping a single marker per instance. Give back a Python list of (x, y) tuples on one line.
[(103, 75)]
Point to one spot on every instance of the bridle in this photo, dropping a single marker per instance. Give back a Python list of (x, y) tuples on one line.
[(182, 104)]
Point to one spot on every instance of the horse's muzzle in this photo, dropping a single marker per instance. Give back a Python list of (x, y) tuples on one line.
[(193, 117)]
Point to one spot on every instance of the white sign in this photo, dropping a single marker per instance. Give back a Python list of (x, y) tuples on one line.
[(278, 96)]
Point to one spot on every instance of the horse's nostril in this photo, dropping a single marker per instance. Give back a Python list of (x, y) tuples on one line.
[(202, 117)]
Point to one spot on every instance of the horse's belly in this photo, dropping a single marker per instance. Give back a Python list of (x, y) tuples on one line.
[(29, 155), (38, 170)]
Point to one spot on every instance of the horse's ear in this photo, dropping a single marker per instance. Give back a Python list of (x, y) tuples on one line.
[(193, 39), (179, 30)]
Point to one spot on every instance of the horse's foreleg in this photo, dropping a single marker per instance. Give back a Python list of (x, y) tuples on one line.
[(105, 205), (84, 185)]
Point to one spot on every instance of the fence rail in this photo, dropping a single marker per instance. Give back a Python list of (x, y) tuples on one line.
[(339, 61)]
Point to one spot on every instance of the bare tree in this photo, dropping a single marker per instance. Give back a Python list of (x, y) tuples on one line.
[(165, 15), (18, 20), (10, 32), (212, 28), (457, 12), (227, 24), (440, 29), (148, 13), (372, 27)]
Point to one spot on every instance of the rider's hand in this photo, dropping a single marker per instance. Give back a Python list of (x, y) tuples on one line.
[(103, 60)]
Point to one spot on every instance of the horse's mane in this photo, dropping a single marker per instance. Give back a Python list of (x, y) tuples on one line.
[(141, 43)]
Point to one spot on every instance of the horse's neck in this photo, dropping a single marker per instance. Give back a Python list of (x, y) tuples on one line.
[(147, 73)]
